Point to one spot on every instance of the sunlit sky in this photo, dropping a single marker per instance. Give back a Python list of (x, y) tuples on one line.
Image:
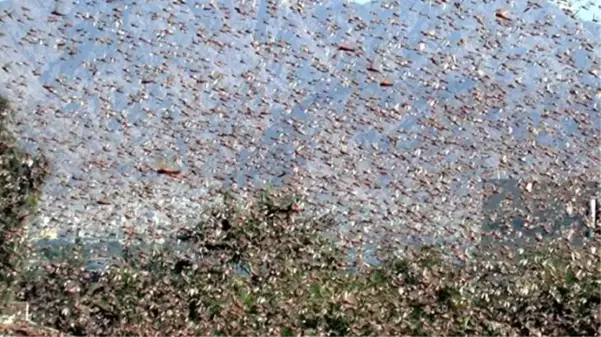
[(588, 14)]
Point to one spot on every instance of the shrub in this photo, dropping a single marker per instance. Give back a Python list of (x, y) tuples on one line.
[(21, 178), (257, 270)]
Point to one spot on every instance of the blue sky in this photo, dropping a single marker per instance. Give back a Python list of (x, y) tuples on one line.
[(587, 15), (584, 14)]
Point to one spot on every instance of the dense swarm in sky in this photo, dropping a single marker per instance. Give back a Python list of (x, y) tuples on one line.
[(388, 113), (441, 160)]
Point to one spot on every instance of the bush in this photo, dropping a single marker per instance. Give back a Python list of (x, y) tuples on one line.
[(21, 178), (4, 105), (258, 270)]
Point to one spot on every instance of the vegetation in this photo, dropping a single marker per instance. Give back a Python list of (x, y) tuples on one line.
[(259, 268), (21, 178)]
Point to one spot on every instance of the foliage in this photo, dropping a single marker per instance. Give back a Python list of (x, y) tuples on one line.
[(263, 270), (4, 105), (21, 178)]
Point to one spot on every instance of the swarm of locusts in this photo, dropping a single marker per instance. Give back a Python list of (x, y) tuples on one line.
[(263, 269), (300, 167)]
